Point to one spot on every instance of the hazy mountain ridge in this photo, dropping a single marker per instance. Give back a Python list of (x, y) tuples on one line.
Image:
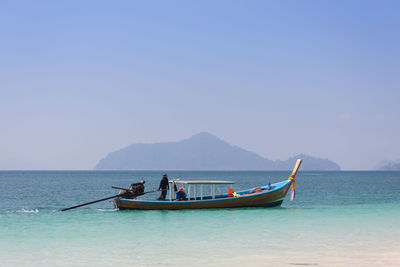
[(388, 165), (202, 151)]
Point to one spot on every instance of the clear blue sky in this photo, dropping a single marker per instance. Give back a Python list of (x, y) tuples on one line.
[(79, 79)]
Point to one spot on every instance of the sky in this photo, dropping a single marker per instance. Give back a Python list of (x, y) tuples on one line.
[(80, 79)]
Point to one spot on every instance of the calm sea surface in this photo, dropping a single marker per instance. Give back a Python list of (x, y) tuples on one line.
[(337, 219)]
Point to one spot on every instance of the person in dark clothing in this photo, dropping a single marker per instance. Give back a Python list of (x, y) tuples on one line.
[(164, 186)]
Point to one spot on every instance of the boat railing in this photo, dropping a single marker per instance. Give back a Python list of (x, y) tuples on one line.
[(195, 185)]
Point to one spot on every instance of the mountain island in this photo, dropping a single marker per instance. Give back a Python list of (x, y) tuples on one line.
[(202, 151)]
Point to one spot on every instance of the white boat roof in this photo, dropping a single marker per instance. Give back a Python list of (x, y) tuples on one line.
[(177, 181)]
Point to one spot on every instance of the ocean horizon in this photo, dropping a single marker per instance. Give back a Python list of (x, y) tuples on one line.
[(246, 88), (338, 218)]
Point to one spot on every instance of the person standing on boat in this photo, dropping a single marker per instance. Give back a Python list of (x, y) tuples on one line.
[(164, 186)]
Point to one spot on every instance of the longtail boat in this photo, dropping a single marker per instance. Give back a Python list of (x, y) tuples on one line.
[(263, 196)]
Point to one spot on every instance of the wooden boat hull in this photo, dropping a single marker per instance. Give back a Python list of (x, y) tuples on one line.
[(268, 198)]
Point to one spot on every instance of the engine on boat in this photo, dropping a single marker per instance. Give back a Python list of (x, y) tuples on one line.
[(135, 190)]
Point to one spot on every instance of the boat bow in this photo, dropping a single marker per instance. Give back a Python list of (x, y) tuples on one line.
[(293, 179)]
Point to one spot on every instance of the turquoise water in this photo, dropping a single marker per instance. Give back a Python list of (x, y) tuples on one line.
[(337, 219)]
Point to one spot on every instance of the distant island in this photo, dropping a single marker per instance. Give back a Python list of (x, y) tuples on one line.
[(388, 165), (202, 151)]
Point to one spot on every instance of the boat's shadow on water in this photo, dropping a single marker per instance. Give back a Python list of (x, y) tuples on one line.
[(217, 210), (304, 264)]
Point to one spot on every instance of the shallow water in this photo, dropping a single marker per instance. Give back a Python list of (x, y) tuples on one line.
[(337, 219)]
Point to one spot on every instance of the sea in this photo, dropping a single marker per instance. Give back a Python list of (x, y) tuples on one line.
[(344, 218)]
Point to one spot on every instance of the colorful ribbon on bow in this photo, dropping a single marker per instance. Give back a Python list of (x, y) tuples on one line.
[(293, 187)]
